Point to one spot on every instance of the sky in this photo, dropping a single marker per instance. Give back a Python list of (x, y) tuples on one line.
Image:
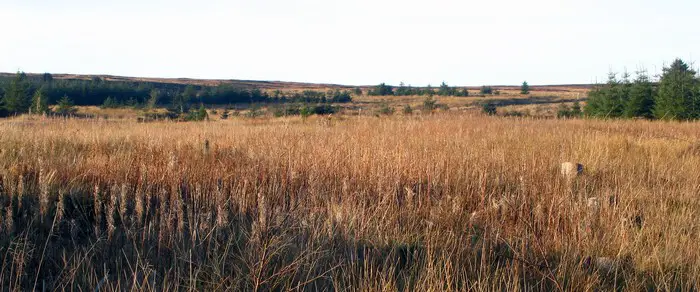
[(358, 42)]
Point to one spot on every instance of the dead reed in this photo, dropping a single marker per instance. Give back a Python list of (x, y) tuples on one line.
[(430, 203)]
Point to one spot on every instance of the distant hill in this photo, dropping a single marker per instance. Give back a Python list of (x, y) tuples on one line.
[(269, 85)]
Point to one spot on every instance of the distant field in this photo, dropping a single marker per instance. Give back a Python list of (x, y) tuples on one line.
[(429, 202)]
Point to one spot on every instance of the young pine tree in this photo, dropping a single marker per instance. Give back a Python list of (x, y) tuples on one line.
[(444, 89), (489, 109), (525, 88), (65, 106), (594, 106), (641, 98), (189, 94), (17, 95), (109, 103), (576, 110), (202, 113), (180, 103), (609, 100), (429, 104), (677, 97), (132, 102), (153, 100), (563, 111), (40, 104), (429, 91)]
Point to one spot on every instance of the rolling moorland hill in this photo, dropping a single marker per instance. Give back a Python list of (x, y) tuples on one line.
[(275, 85)]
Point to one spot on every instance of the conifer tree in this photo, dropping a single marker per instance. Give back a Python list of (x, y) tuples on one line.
[(202, 113), (40, 104), (65, 106), (678, 96), (429, 104), (576, 109), (641, 97), (525, 88), (153, 100), (486, 90), (109, 103), (17, 95), (444, 89), (47, 77), (609, 100)]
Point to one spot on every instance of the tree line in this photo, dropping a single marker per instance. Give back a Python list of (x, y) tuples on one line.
[(22, 93), (676, 96), (402, 90), (444, 90)]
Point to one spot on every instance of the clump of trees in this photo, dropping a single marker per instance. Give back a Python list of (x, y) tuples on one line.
[(404, 90), (381, 90), (22, 94), (198, 115), (675, 97), (446, 90), (19, 96), (573, 111)]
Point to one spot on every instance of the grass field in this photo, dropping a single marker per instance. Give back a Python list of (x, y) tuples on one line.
[(444, 202)]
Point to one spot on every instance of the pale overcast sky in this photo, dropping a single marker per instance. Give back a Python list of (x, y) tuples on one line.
[(350, 42)]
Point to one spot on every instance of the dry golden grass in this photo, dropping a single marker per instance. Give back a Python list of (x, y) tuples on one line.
[(548, 110), (441, 202), (113, 113)]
